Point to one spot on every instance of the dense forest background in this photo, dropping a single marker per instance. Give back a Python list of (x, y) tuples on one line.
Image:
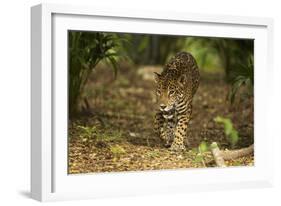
[(112, 100)]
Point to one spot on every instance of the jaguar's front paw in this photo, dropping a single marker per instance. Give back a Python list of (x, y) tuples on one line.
[(177, 147)]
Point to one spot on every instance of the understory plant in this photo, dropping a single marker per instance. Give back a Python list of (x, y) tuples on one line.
[(202, 148), (229, 130), (244, 77), (86, 50)]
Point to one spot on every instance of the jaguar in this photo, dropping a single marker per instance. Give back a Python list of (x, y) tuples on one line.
[(175, 89)]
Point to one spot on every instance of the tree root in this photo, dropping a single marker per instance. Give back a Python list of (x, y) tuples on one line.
[(220, 156)]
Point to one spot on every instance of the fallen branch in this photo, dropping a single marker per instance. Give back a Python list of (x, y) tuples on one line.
[(217, 155), (220, 156), (234, 154)]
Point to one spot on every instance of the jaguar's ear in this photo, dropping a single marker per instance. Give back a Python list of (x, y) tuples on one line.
[(156, 77), (182, 80)]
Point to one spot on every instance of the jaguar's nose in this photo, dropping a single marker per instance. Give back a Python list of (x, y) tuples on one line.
[(162, 106)]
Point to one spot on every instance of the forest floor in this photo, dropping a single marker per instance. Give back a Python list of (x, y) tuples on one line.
[(114, 131)]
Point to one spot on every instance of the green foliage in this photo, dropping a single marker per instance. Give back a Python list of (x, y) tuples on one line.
[(244, 76), (86, 50), (205, 52), (87, 132), (154, 154), (216, 53), (110, 136), (98, 134), (202, 148), (229, 130), (117, 150), (198, 158)]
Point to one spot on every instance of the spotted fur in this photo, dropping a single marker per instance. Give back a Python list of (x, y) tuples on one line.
[(176, 86)]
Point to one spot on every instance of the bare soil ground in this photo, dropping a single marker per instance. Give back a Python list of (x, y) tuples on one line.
[(114, 131)]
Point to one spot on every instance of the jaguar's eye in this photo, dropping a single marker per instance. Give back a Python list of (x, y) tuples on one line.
[(172, 92), (158, 92)]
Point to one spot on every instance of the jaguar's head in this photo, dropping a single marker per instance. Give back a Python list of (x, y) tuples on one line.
[(169, 91)]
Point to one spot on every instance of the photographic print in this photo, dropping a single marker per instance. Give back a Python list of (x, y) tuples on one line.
[(139, 102)]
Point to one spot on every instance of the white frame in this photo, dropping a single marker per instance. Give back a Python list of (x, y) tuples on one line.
[(49, 180)]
